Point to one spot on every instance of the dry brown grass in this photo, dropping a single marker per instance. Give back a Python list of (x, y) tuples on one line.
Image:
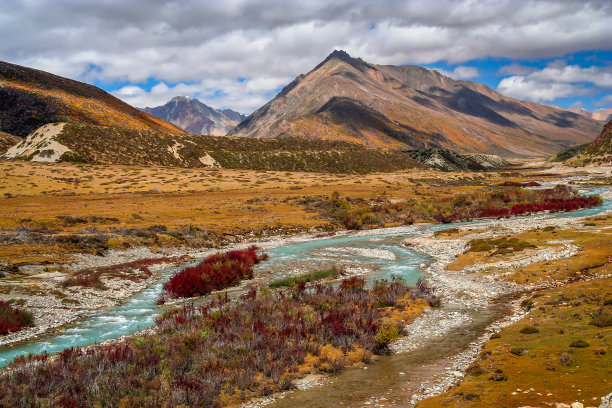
[(226, 202)]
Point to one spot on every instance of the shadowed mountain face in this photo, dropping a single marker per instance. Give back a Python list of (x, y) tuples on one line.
[(195, 117), (30, 98), (409, 107)]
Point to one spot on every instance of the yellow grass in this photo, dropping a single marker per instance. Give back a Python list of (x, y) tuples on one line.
[(562, 315), (230, 202)]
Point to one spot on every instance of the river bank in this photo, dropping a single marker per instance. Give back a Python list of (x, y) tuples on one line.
[(471, 290), (464, 293), (55, 307)]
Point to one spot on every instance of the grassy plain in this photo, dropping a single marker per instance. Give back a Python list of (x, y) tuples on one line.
[(66, 199), (567, 357)]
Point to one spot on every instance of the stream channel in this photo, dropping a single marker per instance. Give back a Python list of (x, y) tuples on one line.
[(392, 380)]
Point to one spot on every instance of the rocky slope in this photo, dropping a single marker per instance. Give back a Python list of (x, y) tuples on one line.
[(409, 107), (7, 140), (598, 152), (604, 115), (447, 160), (113, 145), (195, 117), (30, 98)]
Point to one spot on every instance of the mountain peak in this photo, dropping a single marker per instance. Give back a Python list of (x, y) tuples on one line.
[(411, 107), (344, 56), (181, 98), (196, 117), (339, 54)]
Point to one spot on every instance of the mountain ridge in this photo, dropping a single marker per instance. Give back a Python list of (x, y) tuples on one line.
[(420, 108), (58, 142), (31, 98), (604, 115), (195, 117)]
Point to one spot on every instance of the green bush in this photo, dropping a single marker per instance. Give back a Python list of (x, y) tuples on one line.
[(474, 370), (529, 330), (518, 351), (579, 344), (307, 277), (527, 304), (498, 377), (602, 319), (385, 336)]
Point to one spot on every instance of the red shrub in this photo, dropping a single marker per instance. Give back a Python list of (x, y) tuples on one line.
[(560, 198), (13, 319), (254, 346), (354, 282), (218, 271)]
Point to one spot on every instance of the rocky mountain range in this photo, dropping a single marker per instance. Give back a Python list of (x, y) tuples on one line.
[(196, 117), (45, 117), (30, 98), (605, 115), (410, 107)]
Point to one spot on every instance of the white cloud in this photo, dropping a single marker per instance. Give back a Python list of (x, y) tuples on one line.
[(270, 42), (557, 80), (598, 76), (577, 105), (606, 101), (521, 87), (460, 72)]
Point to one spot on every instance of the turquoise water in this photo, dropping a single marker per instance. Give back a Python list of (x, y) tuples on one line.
[(140, 311), (135, 314)]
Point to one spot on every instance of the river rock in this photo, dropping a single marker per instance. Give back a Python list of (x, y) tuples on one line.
[(606, 402)]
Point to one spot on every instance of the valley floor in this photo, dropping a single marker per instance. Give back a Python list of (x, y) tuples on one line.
[(58, 219)]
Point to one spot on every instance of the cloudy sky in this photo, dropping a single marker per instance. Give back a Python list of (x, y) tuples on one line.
[(239, 53)]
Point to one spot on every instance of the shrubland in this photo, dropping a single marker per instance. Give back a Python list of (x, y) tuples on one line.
[(222, 353), (113, 145), (215, 272), (492, 202), (13, 319)]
